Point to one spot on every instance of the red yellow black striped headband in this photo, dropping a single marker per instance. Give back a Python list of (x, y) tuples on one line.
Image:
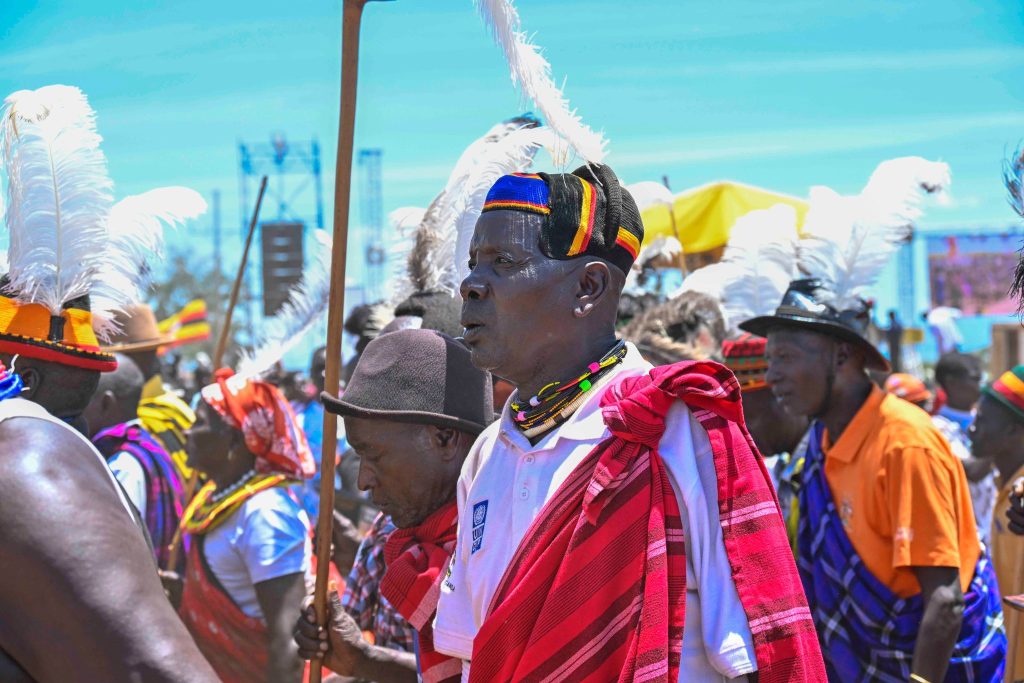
[(32, 331), (585, 213)]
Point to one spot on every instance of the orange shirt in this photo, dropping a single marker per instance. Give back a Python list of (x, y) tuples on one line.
[(902, 494)]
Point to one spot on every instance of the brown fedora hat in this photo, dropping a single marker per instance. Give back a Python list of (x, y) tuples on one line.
[(417, 376), (139, 331)]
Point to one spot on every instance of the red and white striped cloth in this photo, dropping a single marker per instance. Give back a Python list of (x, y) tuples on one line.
[(416, 560), (596, 590)]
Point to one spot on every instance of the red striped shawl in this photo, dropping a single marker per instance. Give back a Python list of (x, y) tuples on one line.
[(416, 560), (596, 590)]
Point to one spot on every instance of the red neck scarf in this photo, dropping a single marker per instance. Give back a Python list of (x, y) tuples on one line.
[(596, 590), (416, 561)]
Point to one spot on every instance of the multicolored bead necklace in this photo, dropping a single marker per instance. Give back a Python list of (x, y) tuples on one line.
[(556, 401), (11, 385)]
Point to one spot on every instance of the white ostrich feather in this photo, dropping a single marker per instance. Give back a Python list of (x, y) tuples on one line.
[(59, 195), (849, 240), (436, 256), (759, 262), (404, 223), (531, 72), (306, 304), (1013, 178), (665, 248), (513, 153), (136, 232), (648, 193)]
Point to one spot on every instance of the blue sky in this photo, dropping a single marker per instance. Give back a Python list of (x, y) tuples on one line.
[(784, 94)]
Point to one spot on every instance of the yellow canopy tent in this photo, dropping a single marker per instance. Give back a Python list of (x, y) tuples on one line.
[(702, 218)]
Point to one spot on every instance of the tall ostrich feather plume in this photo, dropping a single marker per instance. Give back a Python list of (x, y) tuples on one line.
[(305, 305), (1013, 176), (136, 233), (59, 195), (849, 240), (759, 262), (531, 72), (435, 256)]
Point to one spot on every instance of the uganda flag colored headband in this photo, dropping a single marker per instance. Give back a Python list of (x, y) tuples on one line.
[(585, 213)]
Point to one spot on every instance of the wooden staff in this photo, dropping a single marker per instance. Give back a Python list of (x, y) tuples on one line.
[(225, 330), (218, 355), (352, 16)]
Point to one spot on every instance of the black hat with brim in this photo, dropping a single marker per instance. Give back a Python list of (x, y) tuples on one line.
[(418, 377), (802, 309)]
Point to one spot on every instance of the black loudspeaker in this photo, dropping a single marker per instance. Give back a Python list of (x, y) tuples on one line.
[(283, 259)]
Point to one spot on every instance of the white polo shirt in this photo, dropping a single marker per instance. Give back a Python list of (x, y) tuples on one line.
[(505, 482)]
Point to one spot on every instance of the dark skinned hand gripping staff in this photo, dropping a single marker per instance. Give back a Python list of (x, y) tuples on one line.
[(352, 15)]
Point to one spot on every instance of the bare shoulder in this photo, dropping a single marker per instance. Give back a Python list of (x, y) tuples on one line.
[(43, 463), (73, 555)]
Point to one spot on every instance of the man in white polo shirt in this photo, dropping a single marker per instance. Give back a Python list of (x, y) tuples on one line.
[(615, 516)]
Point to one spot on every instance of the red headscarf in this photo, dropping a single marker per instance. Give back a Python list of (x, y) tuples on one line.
[(266, 420)]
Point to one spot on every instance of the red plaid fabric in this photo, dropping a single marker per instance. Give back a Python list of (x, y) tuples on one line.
[(596, 589), (416, 561)]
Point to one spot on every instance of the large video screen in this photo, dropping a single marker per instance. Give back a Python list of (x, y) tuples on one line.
[(973, 272)]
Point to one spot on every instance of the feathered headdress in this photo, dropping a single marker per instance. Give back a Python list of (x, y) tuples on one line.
[(759, 262), (305, 306), (532, 74), (1013, 176), (439, 254), (849, 240), (76, 258), (59, 201)]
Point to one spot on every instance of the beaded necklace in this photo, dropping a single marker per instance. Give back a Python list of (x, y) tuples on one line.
[(210, 507), (556, 401)]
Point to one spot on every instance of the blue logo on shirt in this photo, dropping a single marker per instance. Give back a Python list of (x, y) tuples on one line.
[(479, 518)]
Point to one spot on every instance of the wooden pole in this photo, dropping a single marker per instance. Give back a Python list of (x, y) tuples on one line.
[(352, 15), (218, 355), (225, 330)]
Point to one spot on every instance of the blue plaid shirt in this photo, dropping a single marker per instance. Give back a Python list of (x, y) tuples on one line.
[(362, 598)]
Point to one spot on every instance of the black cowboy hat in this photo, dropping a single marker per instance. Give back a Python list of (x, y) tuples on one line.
[(804, 307)]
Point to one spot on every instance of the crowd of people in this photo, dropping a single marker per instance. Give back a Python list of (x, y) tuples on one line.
[(534, 481)]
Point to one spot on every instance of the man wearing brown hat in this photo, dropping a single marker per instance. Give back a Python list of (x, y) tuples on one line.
[(570, 562), (161, 412), (412, 409)]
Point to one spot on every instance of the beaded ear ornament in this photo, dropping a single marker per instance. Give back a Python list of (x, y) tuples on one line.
[(11, 384), (556, 401)]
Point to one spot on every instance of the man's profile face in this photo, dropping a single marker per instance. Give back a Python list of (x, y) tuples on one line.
[(964, 388), (516, 300), (991, 432), (399, 468), (798, 369)]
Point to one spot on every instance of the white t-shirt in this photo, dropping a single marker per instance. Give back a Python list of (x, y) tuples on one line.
[(268, 537), (128, 471), (503, 486)]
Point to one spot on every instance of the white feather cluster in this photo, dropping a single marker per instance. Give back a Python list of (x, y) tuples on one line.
[(849, 240), (759, 262), (59, 195), (67, 237), (532, 74), (1013, 178), (434, 254), (135, 230), (305, 306)]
